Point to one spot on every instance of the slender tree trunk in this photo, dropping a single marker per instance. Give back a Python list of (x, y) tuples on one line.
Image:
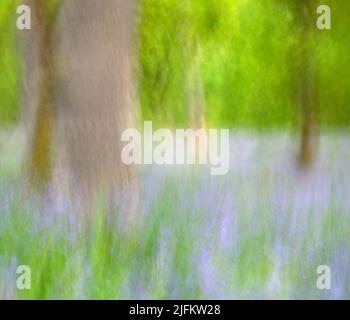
[(39, 96), (195, 98), (308, 95), (195, 92)]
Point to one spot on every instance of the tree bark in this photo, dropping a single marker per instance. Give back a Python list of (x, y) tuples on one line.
[(95, 98), (195, 91), (39, 90), (308, 102), (82, 64)]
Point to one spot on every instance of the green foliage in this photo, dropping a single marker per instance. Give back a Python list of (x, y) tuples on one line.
[(248, 61), (10, 63)]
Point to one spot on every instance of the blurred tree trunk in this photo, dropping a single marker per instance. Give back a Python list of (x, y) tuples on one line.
[(83, 63), (39, 91), (307, 86), (95, 98), (195, 93), (195, 97)]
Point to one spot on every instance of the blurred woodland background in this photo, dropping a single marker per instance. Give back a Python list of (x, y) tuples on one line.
[(246, 53), (260, 67), (233, 63)]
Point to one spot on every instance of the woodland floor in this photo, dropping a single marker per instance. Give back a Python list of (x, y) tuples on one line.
[(260, 232)]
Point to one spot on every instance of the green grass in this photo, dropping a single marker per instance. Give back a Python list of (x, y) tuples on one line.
[(193, 244)]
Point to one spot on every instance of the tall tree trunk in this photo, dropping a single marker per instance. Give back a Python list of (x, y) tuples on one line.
[(308, 95), (82, 65), (95, 98), (195, 98), (39, 94), (195, 92)]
